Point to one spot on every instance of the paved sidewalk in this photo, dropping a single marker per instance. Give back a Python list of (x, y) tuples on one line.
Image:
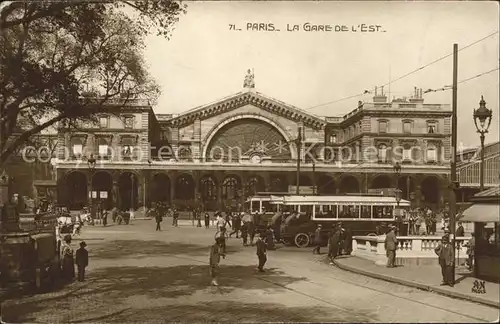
[(424, 277)]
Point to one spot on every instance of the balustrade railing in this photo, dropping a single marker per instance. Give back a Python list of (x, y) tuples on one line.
[(410, 246)]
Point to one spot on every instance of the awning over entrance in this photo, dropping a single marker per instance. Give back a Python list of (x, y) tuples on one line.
[(484, 213)]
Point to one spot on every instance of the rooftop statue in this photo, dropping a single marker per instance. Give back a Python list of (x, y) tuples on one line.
[(249, 80)]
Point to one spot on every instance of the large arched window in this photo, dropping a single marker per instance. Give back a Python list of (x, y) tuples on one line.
[(230, 188), (208, 189)]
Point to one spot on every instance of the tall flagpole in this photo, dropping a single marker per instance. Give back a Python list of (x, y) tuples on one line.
[(389, 82)]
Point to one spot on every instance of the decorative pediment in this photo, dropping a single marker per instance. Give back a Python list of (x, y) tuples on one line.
[(253, 98)]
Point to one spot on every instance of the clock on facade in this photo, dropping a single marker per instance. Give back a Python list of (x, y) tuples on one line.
[(255, 158)]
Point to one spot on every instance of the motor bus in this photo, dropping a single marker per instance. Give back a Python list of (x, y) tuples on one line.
[(266, 203), (362, 215)]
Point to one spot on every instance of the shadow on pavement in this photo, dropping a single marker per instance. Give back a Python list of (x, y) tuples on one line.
[(112, 287), (119, 249), (228, 311)]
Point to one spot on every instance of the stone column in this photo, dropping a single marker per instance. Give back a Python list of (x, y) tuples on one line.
[(418, 195), (219, 195), (196, 179), (116, 194), (141, 185), (173, 181)]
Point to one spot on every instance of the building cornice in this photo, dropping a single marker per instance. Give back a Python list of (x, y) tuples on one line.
[(228, 167), (245, 98)]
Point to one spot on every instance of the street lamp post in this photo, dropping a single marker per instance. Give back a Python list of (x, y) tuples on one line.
[(132, 178), (483, 115), (91, 163), (397, 194)]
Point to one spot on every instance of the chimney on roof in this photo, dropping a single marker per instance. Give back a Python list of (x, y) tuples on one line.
[(379, 98), (417, 97)]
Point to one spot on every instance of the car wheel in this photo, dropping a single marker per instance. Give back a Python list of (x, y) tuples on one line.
[(302, 240)]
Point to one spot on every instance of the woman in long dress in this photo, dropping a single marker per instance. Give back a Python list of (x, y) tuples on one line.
[(68, 261)]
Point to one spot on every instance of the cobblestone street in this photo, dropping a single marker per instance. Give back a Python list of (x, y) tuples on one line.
[(139, 275)]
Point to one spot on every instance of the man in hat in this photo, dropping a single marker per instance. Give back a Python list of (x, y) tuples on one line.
[(317, 240), (261, 251), (391, 244), (445, 254), (82, 260), (333, 244)]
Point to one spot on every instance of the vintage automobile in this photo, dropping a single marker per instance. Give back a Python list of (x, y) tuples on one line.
[(298, 231)]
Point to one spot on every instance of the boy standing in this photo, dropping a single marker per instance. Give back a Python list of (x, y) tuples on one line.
[(82, 260), (215, 254), (261, 252)]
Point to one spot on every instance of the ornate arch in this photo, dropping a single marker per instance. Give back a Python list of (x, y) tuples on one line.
[(215, 129)]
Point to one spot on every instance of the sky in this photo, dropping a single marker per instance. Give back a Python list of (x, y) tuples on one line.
[(205, 60)]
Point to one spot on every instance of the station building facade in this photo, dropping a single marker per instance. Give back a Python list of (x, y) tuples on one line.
[(223, 152)]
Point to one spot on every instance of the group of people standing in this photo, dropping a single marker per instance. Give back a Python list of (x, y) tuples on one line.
[(339, 241), (69, 258)]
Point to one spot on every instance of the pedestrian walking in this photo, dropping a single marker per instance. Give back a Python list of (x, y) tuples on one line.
[(244, 233), (251, 232), (228, 219), (215, 254), (82, 260), (317, 240), (390, 244), (261, 252), (236, 225), (207, 220), (105, 217), (333, 244), (175, 218), (158, 219), (445, 255), (198, 218), (270, 239)]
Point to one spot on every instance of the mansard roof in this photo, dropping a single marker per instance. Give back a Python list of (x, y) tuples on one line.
[(243, 98)]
